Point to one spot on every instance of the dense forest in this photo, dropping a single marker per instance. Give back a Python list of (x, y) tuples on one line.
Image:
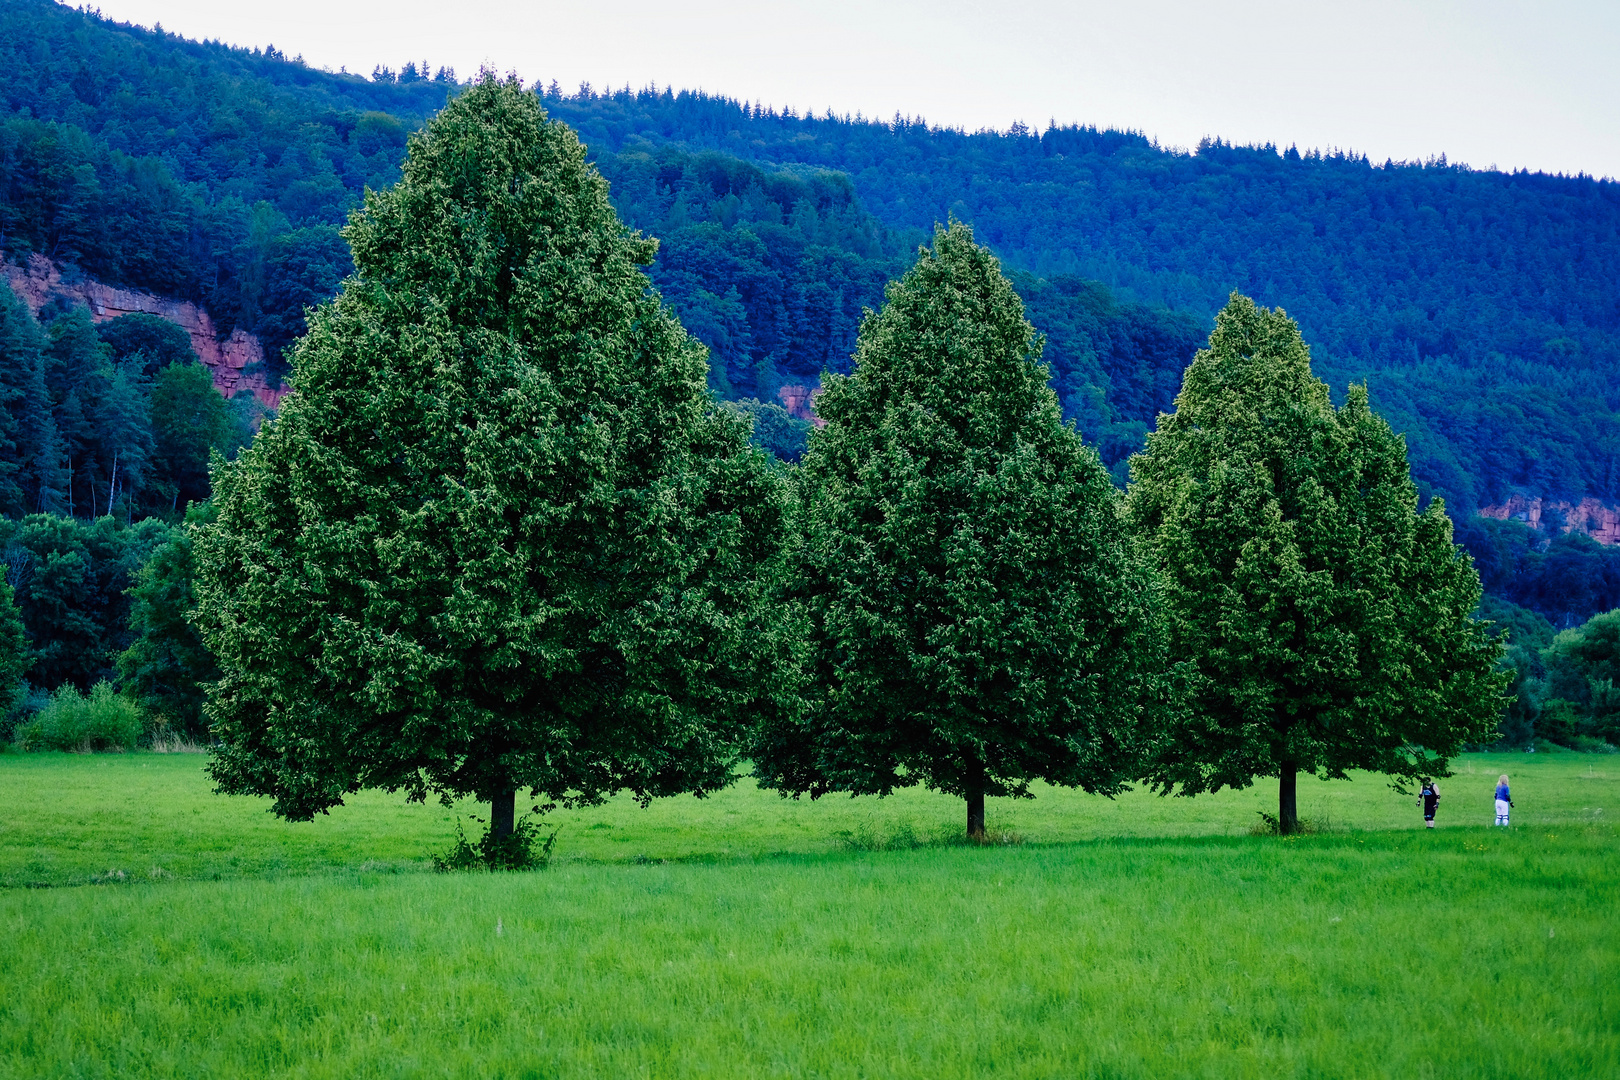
[(1482, 308)]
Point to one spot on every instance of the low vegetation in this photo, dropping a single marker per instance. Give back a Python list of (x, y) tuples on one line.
[(749, 935), (99, 720)]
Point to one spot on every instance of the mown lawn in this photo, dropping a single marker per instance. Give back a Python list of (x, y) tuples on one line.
[(1144, 938)]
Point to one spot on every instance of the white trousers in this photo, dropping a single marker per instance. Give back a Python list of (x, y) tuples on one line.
[(1501, 811)]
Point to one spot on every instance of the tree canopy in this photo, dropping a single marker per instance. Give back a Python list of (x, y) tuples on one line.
[(166, 667), (972, 617), (1325, 624), (499, 536)]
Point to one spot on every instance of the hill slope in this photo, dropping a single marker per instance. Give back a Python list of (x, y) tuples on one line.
[(1482, 308)]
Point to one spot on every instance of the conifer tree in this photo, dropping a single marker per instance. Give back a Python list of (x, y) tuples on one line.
[(498, 537), (1322, 623), (973, 620)]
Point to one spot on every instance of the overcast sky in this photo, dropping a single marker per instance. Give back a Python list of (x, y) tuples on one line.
[(1516, 85)]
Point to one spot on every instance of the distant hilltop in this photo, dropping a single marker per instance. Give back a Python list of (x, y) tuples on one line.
[(1598, 520), (237, 362)]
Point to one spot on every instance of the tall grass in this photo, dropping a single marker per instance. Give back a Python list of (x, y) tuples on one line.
[(1413, 954), (1143, 937)]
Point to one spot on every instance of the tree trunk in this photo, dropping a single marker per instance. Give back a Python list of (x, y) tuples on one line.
[(1287, 802), (502, 813), (975, 804)]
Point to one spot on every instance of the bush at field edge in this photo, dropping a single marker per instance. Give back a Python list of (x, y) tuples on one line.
[(101, 720)]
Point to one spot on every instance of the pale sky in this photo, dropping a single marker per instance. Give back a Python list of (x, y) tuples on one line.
[(1511, 84)]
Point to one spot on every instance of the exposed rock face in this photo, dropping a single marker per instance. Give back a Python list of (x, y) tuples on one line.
[(40, 280), (800, 402), (1595, 519)]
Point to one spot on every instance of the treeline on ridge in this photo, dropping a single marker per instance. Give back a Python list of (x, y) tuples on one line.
[(1477, 305)]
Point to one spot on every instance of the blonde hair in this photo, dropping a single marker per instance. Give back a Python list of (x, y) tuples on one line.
[(1502, 779)]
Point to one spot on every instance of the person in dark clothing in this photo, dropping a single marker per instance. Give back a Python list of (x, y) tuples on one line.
[(1429, 799)]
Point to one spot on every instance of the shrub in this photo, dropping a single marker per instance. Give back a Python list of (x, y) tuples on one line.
[(101, 720), (523, 849)]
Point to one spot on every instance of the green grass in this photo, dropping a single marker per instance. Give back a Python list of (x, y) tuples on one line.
[(68, 819), (1147, 937)]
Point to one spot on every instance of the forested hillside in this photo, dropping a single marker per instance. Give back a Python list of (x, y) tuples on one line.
[(189, 169), (1482, 308)]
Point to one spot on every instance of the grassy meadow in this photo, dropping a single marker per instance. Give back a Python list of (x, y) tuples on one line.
[(190, 934)]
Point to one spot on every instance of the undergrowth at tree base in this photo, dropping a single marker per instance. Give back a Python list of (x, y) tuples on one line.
[(523, 849), (1269, 825)]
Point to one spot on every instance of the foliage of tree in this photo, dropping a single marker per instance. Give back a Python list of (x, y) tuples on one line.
[(1326, 622), (166, 666), (499, 538), (1561, 684), (1566, 578), (190, 422), (1582, 692), (156, 340), (71, 579), (1524, 634), (15, 660), (972, 618), (117, 418), (775, 430), (30, 455)]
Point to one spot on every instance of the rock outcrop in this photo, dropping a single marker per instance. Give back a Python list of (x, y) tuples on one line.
[(237, 362), (1597, 520), (800, 402)]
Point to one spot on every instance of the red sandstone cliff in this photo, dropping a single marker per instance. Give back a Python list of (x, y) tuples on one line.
[(40, 280), (1601, 522), (800, 402)]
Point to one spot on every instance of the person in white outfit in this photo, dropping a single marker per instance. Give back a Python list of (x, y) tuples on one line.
[(1504, 800)]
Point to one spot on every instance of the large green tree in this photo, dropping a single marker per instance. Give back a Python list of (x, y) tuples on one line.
[(973, 619), (499, 537), (1321, 621)]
